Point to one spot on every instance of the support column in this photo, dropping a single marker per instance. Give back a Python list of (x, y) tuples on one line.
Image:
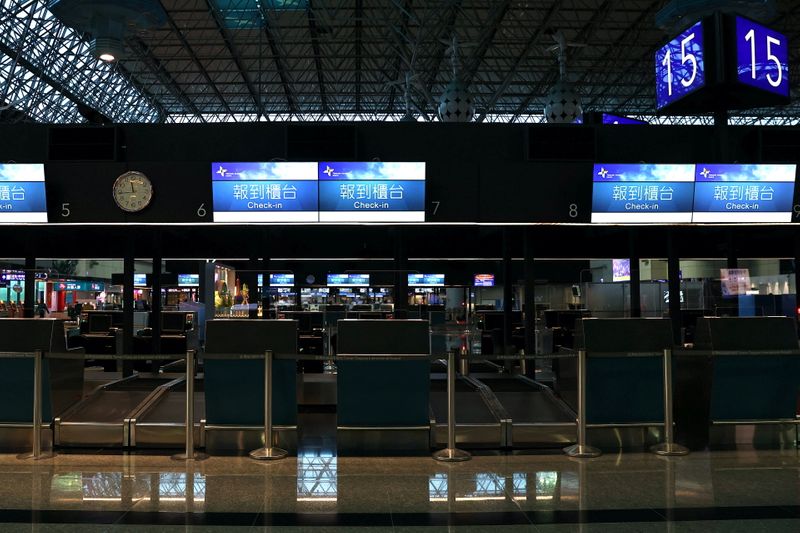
[(674, 284), (636, 278), (530, 294), (507, 292), (29, 304), (250, 277), (128, 266), (400, 275), (207, 294), (155, 308), (797, 272), (732, 263)]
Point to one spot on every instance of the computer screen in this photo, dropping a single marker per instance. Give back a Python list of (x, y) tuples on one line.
[(173, 322), (99, 323)]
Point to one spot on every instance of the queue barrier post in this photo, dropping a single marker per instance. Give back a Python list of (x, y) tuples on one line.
[(189, 452), (451, 454), (36, 451), (268, 452), (669, 447), (582, 450)]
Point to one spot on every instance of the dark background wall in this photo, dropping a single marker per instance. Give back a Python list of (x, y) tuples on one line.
[(483, 175)]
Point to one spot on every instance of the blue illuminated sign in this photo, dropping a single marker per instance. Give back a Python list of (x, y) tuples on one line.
[(281, 280), (87, 286), (348, 280), (265, 192), (22, 193), (140, 280), (617, 119), (762, 57), (744, 193), (680, 66), (426, 280), (188, 280), (636, 194), (371, 192)]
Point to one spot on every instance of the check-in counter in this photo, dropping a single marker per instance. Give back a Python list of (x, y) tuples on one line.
[(234, 383), (755, 378), (624, 379), (62, 378), (383, 387)]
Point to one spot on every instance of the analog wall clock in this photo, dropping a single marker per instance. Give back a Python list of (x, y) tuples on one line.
[(133, 191)]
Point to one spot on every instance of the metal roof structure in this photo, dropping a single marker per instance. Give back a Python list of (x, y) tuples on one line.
[(342, 60)]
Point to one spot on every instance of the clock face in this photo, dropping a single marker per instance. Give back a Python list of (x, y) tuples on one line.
[(133, 191)]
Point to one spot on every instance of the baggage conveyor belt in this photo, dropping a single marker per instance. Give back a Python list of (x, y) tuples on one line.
[(538, 417), (101, 418), (480, 419), (160, 422)]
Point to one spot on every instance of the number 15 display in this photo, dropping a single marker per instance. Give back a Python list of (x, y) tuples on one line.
[(680, 66), (762, 57)]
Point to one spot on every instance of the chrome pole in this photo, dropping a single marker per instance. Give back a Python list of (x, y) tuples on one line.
[(189, 452), (451, 453), (669, 446), (269, 451), (36, 452), (581, 449)]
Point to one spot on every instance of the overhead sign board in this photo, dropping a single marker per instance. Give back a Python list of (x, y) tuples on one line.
[(371, 192), (265, 192), (642, 193)]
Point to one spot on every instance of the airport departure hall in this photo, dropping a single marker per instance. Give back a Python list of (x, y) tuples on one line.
[(399, 265)]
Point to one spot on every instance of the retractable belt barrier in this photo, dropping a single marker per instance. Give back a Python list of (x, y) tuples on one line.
[(668, 448)]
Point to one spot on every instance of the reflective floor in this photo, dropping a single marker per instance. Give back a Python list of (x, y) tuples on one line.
[(720, 491)]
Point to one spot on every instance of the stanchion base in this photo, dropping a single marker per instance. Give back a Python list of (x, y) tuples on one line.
[(669, 449), (582, 451), (43, 455), (268, 454), (452, 455), (196, 456)]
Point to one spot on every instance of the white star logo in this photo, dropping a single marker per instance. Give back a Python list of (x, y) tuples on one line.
[(705, 172), (328, 170), (603, 172), (222, 170)]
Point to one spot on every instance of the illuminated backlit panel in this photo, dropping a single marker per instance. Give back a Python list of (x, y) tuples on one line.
[(744, 193), (264, 192), (680, 66), (371, 192), (426, 280), (22, 194), (642, 193)]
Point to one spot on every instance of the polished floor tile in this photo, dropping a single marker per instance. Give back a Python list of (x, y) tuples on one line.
[(720, 491)]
